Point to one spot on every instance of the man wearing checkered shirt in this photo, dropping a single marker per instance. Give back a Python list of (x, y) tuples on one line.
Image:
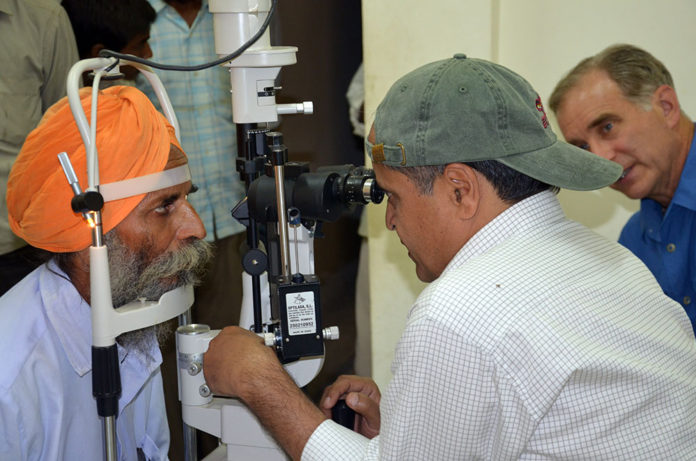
[(536, 338)]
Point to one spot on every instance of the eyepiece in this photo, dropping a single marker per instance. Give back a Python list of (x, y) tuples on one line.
[(359, 186)]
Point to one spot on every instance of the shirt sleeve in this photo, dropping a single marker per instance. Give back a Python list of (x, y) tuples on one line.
[(333, 441), (59, 55), (448, 399)]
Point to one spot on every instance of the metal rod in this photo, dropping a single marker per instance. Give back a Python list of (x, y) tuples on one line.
[(279, 173), (97, 236), (189, 433), (249, 149), (190, 443), (185, 317), (110, 438)]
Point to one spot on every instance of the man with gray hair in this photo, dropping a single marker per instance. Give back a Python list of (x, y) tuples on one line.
[(536, 338), (621, 104)]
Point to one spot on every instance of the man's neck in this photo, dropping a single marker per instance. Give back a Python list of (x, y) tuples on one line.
[(187, 9), (76, 267), (686, 136)]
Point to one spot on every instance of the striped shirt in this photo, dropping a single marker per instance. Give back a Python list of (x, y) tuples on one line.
[(540, 340), (203, 107)]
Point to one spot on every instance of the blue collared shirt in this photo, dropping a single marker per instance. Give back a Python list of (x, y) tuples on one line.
[(203, 107), (666, 242), (47, 411)]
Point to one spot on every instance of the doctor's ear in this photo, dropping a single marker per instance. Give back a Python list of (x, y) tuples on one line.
[(462, 184)]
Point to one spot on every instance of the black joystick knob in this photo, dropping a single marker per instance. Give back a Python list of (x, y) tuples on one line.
[(343, 414)]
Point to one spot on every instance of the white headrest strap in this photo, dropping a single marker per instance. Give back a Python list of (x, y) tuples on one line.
[(144, 184)]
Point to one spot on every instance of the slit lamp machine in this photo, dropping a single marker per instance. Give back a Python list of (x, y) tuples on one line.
[(284, 208)]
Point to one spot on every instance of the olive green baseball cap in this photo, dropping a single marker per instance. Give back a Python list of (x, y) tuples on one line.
[(466, 110)]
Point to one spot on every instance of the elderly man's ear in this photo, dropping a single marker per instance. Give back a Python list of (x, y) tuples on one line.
[(665, 98), (463, 188)]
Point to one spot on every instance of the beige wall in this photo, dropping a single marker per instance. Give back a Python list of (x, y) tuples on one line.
[(398, 36), (541, 40)]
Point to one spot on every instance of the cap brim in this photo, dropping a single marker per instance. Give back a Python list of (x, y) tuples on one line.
[(566, 166)]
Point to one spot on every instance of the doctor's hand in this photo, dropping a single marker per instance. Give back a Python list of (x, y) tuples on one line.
[(362, 395), (238, 362)]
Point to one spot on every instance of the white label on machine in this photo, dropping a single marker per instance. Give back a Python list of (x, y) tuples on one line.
[(302, 317)]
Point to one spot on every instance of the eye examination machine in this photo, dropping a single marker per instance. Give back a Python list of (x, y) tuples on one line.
[(284, 208)]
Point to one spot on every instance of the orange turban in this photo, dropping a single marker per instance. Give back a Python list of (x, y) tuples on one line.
[(132, 140)]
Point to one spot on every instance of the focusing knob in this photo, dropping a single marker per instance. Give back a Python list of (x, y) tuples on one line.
[(255, 262)]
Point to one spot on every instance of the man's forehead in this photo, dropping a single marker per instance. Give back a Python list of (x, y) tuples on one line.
[(594, 98), (387, 177), (177, 190), (595, 85)]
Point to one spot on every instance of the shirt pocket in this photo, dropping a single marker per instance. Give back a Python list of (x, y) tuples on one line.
[(20, 110)]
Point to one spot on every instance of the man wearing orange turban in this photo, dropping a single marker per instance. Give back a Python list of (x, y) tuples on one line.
[(154, 240)]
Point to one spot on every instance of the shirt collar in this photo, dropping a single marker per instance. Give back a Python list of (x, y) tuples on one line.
[(531, 213), (685, 195), (157, 5), (70, 317), (6, 7), (651, 213)]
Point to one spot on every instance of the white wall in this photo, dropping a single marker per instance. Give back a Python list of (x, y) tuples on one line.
[(543, 50), (541, 40), (398, 36)]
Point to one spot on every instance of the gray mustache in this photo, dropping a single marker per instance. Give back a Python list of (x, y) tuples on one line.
[(133, 278)]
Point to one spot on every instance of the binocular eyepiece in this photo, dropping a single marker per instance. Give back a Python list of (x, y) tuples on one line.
[(355, 185), (322, 195)]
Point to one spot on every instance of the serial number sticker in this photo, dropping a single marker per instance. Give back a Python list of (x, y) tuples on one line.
[(302, 317)]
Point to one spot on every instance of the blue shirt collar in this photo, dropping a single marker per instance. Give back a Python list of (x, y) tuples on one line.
[(157, 5), (70, 317), (685, 195), (651, 214)]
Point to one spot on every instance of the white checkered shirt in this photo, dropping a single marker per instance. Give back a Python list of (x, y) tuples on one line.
[(540, 340)]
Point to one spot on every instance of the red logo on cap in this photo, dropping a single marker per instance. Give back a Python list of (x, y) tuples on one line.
[(540, 108)]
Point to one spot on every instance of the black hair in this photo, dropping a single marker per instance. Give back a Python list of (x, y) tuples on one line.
[(113, 23), (510, 185)]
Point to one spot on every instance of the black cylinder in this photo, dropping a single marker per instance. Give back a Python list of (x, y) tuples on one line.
[(106, 379), (343, 414)]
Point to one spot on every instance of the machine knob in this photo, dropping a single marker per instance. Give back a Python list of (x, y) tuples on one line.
[(330, 333)]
